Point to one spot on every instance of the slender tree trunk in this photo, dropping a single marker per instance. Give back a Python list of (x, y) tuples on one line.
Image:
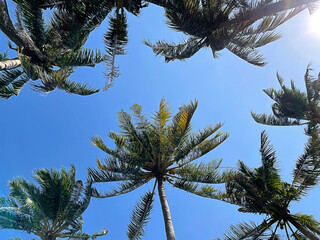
[(166, 211), (9, 63), (269, 9), (302, 229)]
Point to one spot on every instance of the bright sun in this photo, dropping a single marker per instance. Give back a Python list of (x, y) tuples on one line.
[(315, 23)]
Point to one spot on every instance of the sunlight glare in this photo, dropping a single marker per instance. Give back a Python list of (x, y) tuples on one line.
[(315, 23)]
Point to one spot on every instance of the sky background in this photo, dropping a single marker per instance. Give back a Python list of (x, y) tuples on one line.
[(54, 130)]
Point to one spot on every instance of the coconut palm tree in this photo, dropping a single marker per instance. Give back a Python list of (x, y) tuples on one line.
[(47, 51), (161, 152), (239, 26), (261, 191), (292, 106), (50, 210)]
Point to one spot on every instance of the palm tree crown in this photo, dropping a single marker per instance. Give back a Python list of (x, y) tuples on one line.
[(294, 107), (48, 50), (50, 210), (161, 151), (261, 191), (221, 24)]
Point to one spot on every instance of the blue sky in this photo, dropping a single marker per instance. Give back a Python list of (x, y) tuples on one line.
[(55, 130)]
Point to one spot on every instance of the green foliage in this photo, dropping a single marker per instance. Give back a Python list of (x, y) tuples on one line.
[(50, 209), (160, 150), (261, 191), (43, 48), (115, 39), (140, 217), (212, 24), (294, 107)]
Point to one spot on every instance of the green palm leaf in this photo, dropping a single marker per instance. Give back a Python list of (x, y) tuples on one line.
[(247, 231), (140, 216)]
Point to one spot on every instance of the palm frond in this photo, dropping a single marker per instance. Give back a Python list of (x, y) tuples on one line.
[(308, 221), (195, 139), (123, 188), (180, 51), (9, 76), (203, 148), (115, 39), (97, 176), (15, 87), (70, 27), (81, 57), (307, 170), (248, 54), (72, 87), (274, 121), (201, 173), (33, 20), (140, 216), (247, 231), (58, 79), (200, 190), (181, 124)]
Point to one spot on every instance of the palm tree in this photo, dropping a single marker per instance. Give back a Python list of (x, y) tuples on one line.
[(292, 106), (161, 151), (50, 210), (261, 191), (239, 26), (48, 51)]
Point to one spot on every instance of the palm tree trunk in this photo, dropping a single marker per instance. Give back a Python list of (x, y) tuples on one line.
[(302, 229), (9, 63), (166, 211), (269, 9)]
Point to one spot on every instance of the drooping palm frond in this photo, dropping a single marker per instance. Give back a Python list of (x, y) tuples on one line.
[(59, 79), (140, 216), (307, 170), (11, 83), (115, 39)]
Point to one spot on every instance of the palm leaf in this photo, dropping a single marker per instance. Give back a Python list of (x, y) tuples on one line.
[(308, 221), (201, 173), (14, 88), (307, 170), (181, 51), (274, 121), (115, 39), (81, 57), (200, 190), (250, 55), (247, 231), (140, 216), (194, 140), (124, 188), (33, 20)]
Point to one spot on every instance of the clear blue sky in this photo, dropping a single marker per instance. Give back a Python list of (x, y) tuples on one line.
[(55, 130)]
